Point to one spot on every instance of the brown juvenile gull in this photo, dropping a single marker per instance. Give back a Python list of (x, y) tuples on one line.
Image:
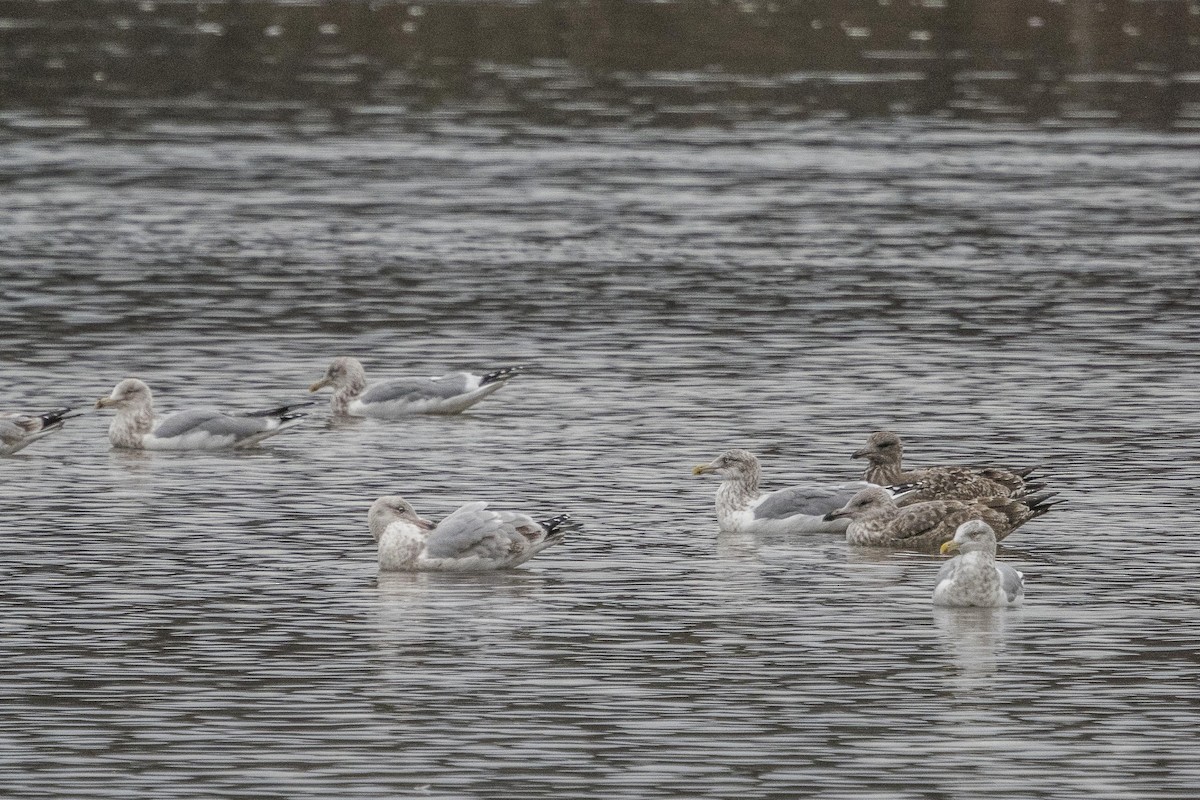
[(877, 521), (196, 429), (451, 393), (742, 508), (975, 578), (472, 539), (884, 454), (18, 431)]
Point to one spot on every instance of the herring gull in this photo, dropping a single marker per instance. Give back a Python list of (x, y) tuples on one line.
[(18, 431), (472, 539), (876, 520), (884, 454), (195, 429), (741, 507), (451, 393), (975, 578)]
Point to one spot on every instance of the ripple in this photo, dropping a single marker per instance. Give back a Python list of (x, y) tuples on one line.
[(1013, 294)]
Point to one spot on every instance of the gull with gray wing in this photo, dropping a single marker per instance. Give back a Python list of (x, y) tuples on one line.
[(136, 427), (472, 539), (18, 431), (451, 393), (975, 578), (742, 507)]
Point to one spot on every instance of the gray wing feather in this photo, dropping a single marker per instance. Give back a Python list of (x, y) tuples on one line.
[(212, 421), (470, 531), (1012, 581), (810, 500), (412, 389), (10, 432)]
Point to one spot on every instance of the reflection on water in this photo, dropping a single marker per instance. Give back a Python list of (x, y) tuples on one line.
[(212, 624), (972, 639)]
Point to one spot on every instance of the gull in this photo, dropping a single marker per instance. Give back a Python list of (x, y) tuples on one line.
[(472, 539), (742, 508), (18, 431), (451, 393), (876, 520), (135, 425), (884, 454), (975, 578)]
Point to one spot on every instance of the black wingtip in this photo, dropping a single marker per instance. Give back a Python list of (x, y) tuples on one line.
[(57, 415), (502, 374), (281, 411), (561, 525), (1039, 504)]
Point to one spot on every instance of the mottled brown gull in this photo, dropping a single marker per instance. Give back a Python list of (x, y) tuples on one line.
[(472, 539), (877, 521), (136, 427), (884, 454), (18, 431), (742, 507), (975, 578), (451, 393)]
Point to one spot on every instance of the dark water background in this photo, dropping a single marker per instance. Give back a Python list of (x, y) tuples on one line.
[(212, 625), (356, 63)]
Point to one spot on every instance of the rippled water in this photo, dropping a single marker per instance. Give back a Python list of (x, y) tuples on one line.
[(211, 625)]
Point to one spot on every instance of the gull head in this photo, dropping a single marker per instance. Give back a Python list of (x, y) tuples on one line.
[(863, 503), (883, 447), (393, 508), (972, 536), (129, 392), (730, 464), (344, 371)]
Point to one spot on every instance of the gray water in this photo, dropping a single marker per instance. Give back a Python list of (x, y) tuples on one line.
[(212, 625)]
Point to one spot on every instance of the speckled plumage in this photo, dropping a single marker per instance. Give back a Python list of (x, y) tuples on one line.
[(884, 453), (877, 521), (975, 578)]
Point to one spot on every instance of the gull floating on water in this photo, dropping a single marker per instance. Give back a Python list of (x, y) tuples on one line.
[(742, 508), (195, 429), (975, 578), (18, 431), (885, 453), (448, 394), (472, 539), (877, 521)]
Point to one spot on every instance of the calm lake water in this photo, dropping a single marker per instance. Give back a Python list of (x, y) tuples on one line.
[(212, 625)]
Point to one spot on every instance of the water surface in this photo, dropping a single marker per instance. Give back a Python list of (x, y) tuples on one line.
[(212, 625)]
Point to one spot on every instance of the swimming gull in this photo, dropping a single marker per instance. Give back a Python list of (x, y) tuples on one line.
[(975, 578), (18, 431), (472, 539), (884, 454), (195, 429), (876, 520), (741, 507), (451, 393)]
